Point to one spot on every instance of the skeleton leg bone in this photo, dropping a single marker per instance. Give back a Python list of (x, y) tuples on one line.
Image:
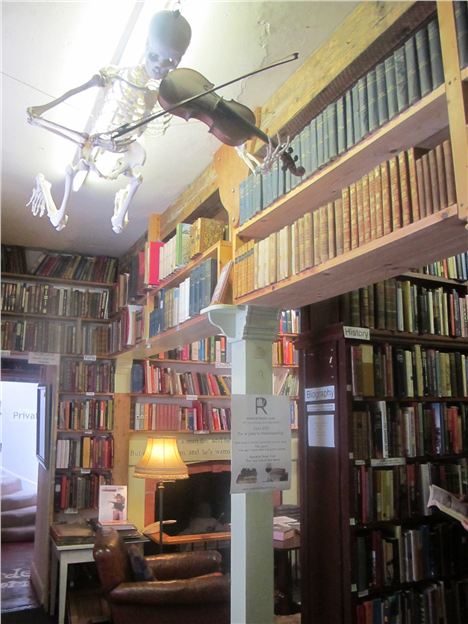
[(271, 156), (122, 202)]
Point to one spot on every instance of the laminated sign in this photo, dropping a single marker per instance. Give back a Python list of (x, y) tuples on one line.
[(261, 443)]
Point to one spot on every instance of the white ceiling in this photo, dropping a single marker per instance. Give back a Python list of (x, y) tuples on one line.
[(50, 47)]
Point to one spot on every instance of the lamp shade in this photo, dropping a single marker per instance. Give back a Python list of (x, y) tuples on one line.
[(161, 460)]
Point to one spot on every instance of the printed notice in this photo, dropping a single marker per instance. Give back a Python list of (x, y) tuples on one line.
[(321, 430), (260, 442), (358, 333), (51, 359)]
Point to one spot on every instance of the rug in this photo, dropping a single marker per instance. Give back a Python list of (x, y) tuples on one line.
[(17, 591)]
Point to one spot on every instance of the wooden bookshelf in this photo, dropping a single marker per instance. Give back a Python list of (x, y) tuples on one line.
[(431, 238), (413, 126), (26, 277)]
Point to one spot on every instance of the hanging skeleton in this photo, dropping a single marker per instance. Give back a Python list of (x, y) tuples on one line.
[(131, 97)]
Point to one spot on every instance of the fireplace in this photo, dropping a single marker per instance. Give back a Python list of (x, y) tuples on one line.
[(199, 504)]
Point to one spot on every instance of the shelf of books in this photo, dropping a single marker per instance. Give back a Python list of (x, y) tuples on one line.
[(395, 412), (379, 191)]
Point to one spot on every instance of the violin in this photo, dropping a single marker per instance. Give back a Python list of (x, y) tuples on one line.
[(229, 121)]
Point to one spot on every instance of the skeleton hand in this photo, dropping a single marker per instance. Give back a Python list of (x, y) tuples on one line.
[(273, 153), (108, 74)]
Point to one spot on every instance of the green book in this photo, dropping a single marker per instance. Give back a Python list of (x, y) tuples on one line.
[(461, 23), (313, 146), (349, 119), (390, 82), (412, 75), (332, 130), (320, 152), (182, 243), (435, 54), (363, 110), (382, 106), (341, 125), (423, 61), (372, 96), (355, 109), (401, 78)]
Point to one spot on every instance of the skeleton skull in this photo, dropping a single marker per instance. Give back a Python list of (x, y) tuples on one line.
[(168, 39)]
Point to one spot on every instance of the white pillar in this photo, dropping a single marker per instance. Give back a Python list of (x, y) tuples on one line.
[(251, 330)]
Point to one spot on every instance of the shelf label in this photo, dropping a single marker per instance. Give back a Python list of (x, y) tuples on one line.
[(359, 462), (89, 358), (51, 359), (191, 397), (321, 407), (71, 511), (89, 393), (85, 470), (321, 393), (352, 522), (5, 353), (222, 365), (353, 587), (364, 593), (351, 455), (87, 432), (357, 333), (388, 461)]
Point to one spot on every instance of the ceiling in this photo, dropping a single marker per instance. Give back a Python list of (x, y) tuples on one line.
[(50, 47)]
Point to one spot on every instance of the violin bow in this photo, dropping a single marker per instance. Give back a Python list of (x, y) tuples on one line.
[(129, 127)]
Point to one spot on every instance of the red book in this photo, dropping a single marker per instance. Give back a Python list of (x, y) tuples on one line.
[(152, 255)]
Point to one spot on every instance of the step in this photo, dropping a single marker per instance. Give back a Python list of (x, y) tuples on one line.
[(18, 500), (19, 517), (18, 534)]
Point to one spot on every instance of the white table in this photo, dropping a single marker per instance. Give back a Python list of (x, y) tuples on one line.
[(62, 557)]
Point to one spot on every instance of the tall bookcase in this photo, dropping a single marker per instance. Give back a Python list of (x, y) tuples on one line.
[(386, 413), (57, 309)]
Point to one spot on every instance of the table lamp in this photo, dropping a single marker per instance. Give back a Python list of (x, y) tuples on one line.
[(161, 461)]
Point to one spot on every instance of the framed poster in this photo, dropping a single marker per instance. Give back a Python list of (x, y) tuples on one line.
[(43, 422)]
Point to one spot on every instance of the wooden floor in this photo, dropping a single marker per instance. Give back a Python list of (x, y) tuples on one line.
[(17, 591)]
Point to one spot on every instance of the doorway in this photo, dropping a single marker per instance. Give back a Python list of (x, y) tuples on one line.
[(19, 472)]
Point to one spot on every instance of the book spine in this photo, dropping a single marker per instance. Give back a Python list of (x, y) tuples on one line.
[(353, 216), (381, 88), (423, 61), (412, 74), (441, 176), (363, 110), (435, 54), (434, 181), (390, 82), (404, 188), (401, 78), (449, 173), (345, 206), (461, 23), (386, 198), (372, 99), (332, 128), (341, 124), (349, 119)]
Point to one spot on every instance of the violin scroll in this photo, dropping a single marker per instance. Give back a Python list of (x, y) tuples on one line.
[(289, 162)]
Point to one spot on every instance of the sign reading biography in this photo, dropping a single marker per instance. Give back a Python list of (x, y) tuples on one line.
[(260, 443)]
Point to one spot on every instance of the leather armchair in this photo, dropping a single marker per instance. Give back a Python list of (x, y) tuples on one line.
[(189, 589)]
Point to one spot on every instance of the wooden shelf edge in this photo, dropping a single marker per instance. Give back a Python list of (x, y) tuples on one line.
[(437, 236), (189, 331), (410, 127), (184, 397), (25, 277)]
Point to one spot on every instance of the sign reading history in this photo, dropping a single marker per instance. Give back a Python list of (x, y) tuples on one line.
[(260, 442)]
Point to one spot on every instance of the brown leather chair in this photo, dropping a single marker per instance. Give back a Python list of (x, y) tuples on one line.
[(189, 589)]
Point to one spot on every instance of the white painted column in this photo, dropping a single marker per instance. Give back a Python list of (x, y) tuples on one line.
[(251, 330)]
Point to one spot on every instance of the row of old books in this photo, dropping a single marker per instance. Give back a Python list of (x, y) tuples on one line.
[(412, 71), (40, 298), (408, 306), (285, 353), (128, 329), (441, 602), (213, 349), (199, 417), (402, 490), (156, 379), (94, 452), (383, 430), (75, 267), (86, 414), (289, 322), (454, 267), (81, 376), (39, 335), (285, 383), (397, 554), (386, 370), (75, 492), (397, 192), (13, 259), (176, 305), (95, 339)]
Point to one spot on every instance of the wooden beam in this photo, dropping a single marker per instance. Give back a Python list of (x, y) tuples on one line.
[(198, 192), (457, 97)]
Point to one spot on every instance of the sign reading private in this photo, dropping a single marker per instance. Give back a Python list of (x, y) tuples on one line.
[(260, 443)]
